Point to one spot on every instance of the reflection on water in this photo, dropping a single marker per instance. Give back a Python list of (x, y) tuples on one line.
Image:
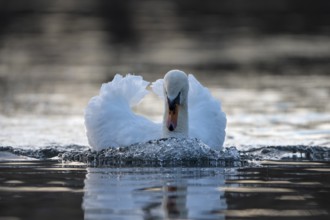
[(153, 193), (279, 190), (40, 190), (276, 190)]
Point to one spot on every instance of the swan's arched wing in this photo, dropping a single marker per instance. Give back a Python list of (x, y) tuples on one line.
[(158, 88), (207, 121), (109, 120)]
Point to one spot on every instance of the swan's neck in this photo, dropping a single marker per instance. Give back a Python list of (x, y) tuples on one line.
[(182, 128)]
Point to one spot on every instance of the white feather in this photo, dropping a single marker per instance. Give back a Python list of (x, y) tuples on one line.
[(157, 88), (110, 121), (207, 121)]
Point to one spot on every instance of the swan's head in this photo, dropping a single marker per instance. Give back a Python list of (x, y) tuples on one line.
[(176, 89)]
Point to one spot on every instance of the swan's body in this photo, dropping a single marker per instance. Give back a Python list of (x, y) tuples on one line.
[(189, 111)]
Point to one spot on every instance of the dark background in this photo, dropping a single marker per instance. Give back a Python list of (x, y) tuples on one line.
[(69, 47), (134, 33)]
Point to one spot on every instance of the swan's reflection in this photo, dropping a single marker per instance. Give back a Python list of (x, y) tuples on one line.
[(149, 193), (174, 203)]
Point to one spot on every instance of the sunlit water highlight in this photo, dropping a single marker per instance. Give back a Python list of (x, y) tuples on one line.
[(277, 117)]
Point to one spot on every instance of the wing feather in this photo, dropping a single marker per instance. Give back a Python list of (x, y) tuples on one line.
[(207, 121), (157, 88), (109, 119)]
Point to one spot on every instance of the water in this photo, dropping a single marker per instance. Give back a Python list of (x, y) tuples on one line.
[(275, 189), (267, 63), (147, 193)]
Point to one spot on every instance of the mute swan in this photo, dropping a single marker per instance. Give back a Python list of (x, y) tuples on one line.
[(189, 112)]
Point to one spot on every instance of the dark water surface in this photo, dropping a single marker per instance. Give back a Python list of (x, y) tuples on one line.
[(272, 190)]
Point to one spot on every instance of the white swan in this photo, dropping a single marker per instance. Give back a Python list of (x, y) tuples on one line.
[(190, 111)]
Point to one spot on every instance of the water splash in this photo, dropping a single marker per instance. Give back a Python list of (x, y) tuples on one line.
[(298, 152), (162, 152), (171, 152), (50, 152)]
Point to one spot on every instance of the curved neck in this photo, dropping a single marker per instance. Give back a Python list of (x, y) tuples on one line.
[(182, 129)]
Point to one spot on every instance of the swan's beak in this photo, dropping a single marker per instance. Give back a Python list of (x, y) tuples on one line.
[(173, 112)]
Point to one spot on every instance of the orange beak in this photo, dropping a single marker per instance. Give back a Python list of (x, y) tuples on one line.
[(172, 118)]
